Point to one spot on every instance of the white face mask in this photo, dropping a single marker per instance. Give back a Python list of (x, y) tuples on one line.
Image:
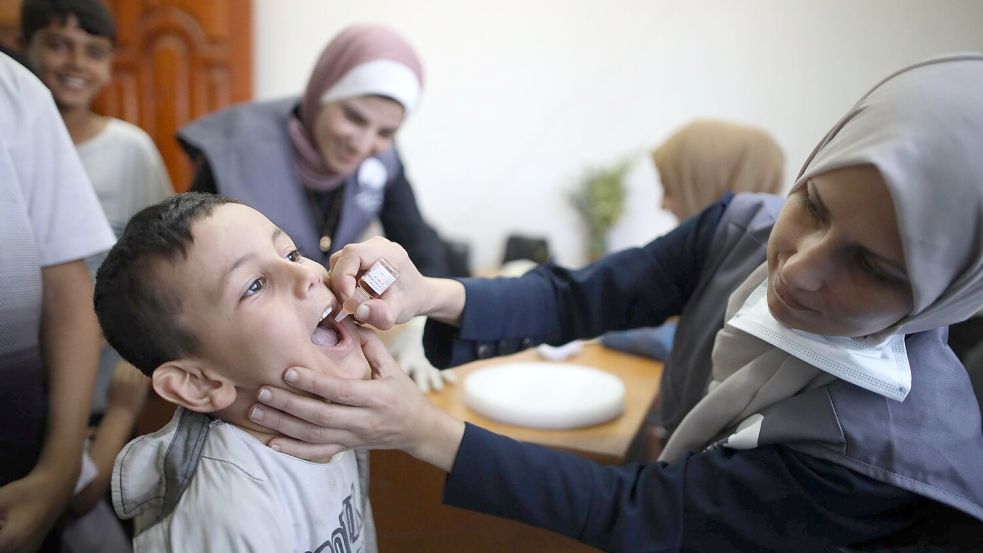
[(882, 368)]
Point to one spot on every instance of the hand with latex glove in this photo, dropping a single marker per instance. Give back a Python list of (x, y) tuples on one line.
[(410, 295), (405, 343)]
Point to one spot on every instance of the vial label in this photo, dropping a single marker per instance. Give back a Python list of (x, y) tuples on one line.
[(378, 278)]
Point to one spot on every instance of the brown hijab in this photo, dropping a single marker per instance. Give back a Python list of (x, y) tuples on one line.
[(707, 158)]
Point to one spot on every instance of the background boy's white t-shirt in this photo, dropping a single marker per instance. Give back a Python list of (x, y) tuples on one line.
[(126, 171)]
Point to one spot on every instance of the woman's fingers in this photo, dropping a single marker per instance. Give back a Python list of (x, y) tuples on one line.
[(325, 428), (382, 362), (342, 270), (346, 264), (317, 453), (377, 313), (311, 409), (397, 303), (336, 390)]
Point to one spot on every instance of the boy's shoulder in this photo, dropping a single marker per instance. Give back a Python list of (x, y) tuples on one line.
[(197, 450), (193, 487), (201, 469)]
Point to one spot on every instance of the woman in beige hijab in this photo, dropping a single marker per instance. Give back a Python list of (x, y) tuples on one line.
[(707, 158), (813, 400), (699, 164)]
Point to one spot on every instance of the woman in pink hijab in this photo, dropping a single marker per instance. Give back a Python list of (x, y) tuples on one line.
[(324, 165)]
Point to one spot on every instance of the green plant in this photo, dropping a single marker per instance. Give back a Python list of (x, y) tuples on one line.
[(599, 199)]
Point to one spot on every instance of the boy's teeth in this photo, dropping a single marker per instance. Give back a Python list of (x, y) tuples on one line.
[(327, 311)]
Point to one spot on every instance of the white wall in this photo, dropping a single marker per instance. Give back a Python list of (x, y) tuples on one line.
[(522, 95)]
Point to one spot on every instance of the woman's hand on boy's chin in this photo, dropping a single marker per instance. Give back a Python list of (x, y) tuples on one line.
[(377, 413)]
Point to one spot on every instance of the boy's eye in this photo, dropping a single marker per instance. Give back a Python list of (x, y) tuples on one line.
[(56, 43), (255, 287), (98, 53), (294, 256)]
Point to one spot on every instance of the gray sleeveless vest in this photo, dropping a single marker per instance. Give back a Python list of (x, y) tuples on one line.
[(251, 158), (929, 444)]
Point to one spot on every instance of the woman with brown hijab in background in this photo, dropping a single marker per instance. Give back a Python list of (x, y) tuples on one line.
[(707, 158), (699, 164)]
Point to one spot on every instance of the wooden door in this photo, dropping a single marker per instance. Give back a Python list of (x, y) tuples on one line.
[(176, 60)]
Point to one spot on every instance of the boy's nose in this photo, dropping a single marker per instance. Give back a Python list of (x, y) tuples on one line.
[(76, 56), (306, 279)]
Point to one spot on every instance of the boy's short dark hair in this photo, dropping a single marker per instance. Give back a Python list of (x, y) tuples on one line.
[(93, 16), (138, 311)]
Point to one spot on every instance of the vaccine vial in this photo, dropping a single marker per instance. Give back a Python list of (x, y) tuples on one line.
[(371, 284)]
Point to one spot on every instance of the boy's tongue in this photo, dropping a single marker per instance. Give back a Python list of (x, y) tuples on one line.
[(325, 337)]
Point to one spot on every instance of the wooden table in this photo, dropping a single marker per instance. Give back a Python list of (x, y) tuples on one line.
[(406, 493)]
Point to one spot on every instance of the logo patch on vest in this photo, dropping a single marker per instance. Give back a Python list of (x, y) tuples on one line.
[(372, 176)]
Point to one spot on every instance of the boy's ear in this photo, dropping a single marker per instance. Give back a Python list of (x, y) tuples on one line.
[(184, 383)]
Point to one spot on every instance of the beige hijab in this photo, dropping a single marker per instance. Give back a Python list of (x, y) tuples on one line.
[(707, 158), (922, 128)]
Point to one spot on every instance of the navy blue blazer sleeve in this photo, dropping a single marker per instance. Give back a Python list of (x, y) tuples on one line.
[(628, 289), (402, 222), (766, 499)]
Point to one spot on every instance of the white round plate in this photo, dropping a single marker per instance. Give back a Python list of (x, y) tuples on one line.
[(549, 396)]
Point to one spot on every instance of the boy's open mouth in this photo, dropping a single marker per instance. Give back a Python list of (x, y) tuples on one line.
[(327, 333)]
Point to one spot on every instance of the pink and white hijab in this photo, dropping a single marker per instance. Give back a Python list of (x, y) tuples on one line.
[(362, 60)]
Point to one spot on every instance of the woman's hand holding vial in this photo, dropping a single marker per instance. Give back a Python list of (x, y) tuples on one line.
[(378, 283)]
